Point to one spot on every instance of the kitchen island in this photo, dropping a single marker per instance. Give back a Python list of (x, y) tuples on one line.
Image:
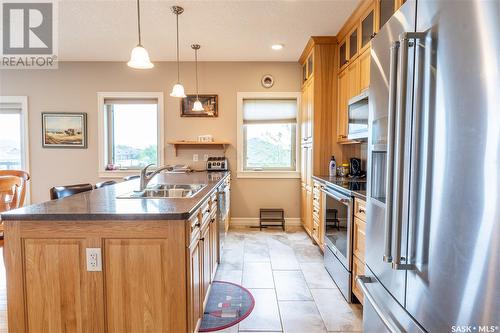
[(93, 262)]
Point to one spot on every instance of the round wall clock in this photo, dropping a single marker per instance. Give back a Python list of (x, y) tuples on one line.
[(267, 81)]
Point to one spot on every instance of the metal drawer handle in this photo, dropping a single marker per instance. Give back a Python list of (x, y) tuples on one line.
[(362, 280), (197, 225), (360, 210)]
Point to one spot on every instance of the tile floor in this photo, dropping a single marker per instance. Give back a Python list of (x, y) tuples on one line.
[(284, 272)]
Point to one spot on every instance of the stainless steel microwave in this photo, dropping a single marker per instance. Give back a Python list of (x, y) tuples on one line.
[(357, 127)]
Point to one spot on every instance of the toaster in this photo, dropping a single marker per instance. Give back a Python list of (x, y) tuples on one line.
[(217, 164)]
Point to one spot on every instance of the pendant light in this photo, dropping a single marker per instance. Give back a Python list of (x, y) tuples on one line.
[(139, 57), (178, 89), (197, 104)]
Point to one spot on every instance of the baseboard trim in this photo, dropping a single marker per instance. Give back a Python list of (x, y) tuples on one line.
[(254, 221)]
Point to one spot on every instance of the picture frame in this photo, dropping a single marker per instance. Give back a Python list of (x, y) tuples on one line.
[(64, 130), (210, 104)]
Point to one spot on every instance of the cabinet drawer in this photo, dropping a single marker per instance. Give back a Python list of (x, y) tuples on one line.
[(360, 209), (206, 211), (358, 246), (358, 268)]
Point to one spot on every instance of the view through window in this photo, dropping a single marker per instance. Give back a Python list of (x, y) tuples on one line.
[(269, 134), (11, 136), (132, 133)]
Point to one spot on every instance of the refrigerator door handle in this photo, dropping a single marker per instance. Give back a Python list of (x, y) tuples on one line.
[(404, 40), (388, 320), (390, 151)]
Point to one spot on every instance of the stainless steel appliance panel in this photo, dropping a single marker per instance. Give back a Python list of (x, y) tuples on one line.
[(381, 312), (455, 206), (385, 94), (340, 275)]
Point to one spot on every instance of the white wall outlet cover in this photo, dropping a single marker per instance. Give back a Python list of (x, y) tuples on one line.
[(94, 259), (195, 157)]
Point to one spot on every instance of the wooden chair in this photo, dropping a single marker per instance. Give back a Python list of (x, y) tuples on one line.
[(24, 176), (60, 192), (10, 195)]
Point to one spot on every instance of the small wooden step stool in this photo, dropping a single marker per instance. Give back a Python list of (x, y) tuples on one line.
[(272, 217)]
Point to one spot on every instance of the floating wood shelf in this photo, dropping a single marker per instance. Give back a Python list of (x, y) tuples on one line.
[(177, 144)]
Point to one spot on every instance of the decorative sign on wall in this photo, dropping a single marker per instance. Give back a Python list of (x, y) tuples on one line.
[(64, 130), (209, 102)]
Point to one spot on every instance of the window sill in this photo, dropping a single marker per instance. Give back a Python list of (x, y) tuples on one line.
[(269, 174), (118, 173)]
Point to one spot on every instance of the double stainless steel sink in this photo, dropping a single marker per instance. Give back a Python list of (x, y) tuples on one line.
[(159, 191)]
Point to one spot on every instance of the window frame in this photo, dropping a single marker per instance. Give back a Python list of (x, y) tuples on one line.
[(103, 137), (25, 156), (241, 148)]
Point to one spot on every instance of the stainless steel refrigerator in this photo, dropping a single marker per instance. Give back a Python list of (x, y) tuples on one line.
[(433, 188)]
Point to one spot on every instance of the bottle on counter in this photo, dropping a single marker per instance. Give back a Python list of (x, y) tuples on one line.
[(333, 167)]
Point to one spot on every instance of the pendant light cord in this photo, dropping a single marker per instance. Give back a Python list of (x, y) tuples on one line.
[(178, 65), (139, 22), (196, 62)]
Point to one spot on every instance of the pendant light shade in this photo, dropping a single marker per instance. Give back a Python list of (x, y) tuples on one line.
[(197, 106), (178, 89), (139, 57)]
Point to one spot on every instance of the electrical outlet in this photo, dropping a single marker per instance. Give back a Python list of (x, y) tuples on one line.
[(195, 157), (94, 259), (205, 157)]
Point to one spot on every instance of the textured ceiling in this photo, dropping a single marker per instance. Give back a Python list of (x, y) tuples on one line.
[(98, 30)]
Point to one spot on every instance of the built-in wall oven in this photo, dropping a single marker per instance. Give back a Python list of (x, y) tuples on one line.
[(338, 237)]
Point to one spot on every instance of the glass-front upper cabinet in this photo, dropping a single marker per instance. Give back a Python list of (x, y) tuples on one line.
[(385, 10), (310, 65), (304, 72), (343, 53), (367, 27), (353, 43)]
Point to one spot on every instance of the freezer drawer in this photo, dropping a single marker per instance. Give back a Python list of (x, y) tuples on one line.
[(381, 312)]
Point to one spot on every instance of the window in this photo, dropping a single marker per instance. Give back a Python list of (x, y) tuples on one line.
[(267, 136), (13, 133), (131, 131)]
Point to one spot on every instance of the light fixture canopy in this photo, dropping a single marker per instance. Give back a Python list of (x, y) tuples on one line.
[(197, 106), (139, 57), (178, 89), (277, 47)]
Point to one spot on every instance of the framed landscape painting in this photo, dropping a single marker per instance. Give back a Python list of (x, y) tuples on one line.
[(209, 102), (64, 130)]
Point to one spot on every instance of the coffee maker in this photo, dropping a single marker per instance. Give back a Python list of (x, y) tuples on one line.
[(355, 168)]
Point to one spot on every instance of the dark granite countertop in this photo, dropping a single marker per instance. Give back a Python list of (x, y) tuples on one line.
[(102, 204), (352, 186)]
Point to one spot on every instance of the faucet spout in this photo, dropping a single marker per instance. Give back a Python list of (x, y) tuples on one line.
[(147, 176)]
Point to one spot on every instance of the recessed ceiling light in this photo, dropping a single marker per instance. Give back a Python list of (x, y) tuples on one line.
[(277, 47)]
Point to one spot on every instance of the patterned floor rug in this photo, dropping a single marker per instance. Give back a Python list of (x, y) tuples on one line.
[(227, 305)]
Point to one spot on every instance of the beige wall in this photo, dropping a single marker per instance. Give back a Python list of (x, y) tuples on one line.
[(74, 86)]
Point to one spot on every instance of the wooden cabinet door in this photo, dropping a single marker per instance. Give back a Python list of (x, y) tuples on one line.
[(359, 239), (354, 85), (342, 108), (358, 268), (140, 295), (58, 296), (310, 110), (353, 39), (206, 269), (194, 285), (367, 28), (306, 166), (309, 213), (343, 54), (214, 246), (303, 205), (364, 70), (303, 114)]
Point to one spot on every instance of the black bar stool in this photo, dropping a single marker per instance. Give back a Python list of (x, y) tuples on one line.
[(106, 183), (59, 192)]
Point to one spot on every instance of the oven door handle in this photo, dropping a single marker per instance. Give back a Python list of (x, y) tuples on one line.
[(343, 199)]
